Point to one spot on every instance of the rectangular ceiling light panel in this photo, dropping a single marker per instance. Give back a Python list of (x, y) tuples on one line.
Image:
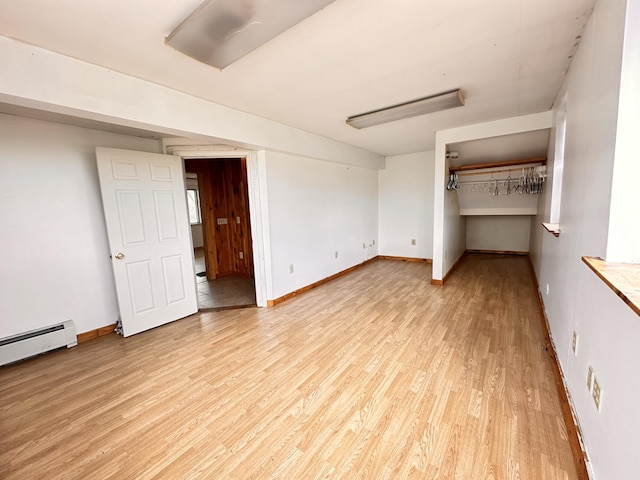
[(219, 32), (422, 106)]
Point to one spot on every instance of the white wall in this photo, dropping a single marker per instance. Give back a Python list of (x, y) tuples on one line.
[(196, 235), (624, 236), (608, 330), (315, 209), (405, 205), (55, 255), (56, 262), (499, 232), (454, 231)]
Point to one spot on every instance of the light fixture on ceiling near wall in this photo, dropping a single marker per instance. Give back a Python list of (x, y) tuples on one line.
[(219, 32), (422, 106)]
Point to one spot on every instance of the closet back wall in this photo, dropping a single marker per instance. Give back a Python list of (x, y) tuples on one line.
[(508, 233)]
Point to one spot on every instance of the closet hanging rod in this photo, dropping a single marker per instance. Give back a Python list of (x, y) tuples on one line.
[(503, 170), (508, 163)]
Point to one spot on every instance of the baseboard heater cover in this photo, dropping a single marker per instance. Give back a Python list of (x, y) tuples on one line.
[(35, 342)]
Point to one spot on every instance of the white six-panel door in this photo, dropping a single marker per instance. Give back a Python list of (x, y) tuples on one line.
[(144, 202)]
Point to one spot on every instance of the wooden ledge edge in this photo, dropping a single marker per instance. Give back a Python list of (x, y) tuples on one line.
[(552, 228), (616, 277), (98, 332), (574, 433), (276, 301)]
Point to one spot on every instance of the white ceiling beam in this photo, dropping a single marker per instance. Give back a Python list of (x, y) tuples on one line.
[(44, 80)]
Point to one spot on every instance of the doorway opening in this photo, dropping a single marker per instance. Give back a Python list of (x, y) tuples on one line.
[(221, 232)]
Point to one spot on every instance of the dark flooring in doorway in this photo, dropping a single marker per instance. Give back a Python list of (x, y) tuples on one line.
[(225, 292)]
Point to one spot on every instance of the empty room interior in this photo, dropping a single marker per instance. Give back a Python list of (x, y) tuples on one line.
[(251, 239)]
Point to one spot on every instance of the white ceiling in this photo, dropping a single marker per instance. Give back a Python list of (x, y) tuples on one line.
[(508, 56)]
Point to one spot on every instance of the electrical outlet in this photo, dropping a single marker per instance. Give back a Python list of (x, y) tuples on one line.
[(413, 241), (574, 343), (589, 377), (596, 393), (336, 254), (291, 268), (373, 242)]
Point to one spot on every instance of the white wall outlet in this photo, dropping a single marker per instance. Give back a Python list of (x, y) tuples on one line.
[(241, 255), (413, 241), (589, 377), (291, 268), (596, 393), (574, 343), (373, 242), (336, 254)]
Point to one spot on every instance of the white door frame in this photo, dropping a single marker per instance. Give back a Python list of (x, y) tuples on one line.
[(258, 211)]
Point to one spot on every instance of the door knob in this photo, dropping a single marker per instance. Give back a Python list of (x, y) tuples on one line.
[(119, 256)]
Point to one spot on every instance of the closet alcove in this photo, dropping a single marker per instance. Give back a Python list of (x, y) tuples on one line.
[(498, 200)]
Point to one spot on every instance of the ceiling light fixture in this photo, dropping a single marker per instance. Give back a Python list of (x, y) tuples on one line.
[(219, 32), (422, 106)]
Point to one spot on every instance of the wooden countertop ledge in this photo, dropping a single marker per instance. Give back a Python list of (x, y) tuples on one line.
[(553, 228), (622, 278)]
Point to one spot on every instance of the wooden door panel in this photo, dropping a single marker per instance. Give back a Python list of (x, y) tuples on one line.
[(224, 201), (140, 282), (129, 205)]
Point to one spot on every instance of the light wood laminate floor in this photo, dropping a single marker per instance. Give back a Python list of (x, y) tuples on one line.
[(377, 374)]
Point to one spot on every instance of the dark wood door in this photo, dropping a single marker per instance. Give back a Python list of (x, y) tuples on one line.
[(226, 225)]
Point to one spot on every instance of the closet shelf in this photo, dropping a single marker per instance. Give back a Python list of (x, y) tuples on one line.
[(622, 278), (508, 163)]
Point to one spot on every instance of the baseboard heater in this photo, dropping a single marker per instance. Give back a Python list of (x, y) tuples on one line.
[(35, 342)]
